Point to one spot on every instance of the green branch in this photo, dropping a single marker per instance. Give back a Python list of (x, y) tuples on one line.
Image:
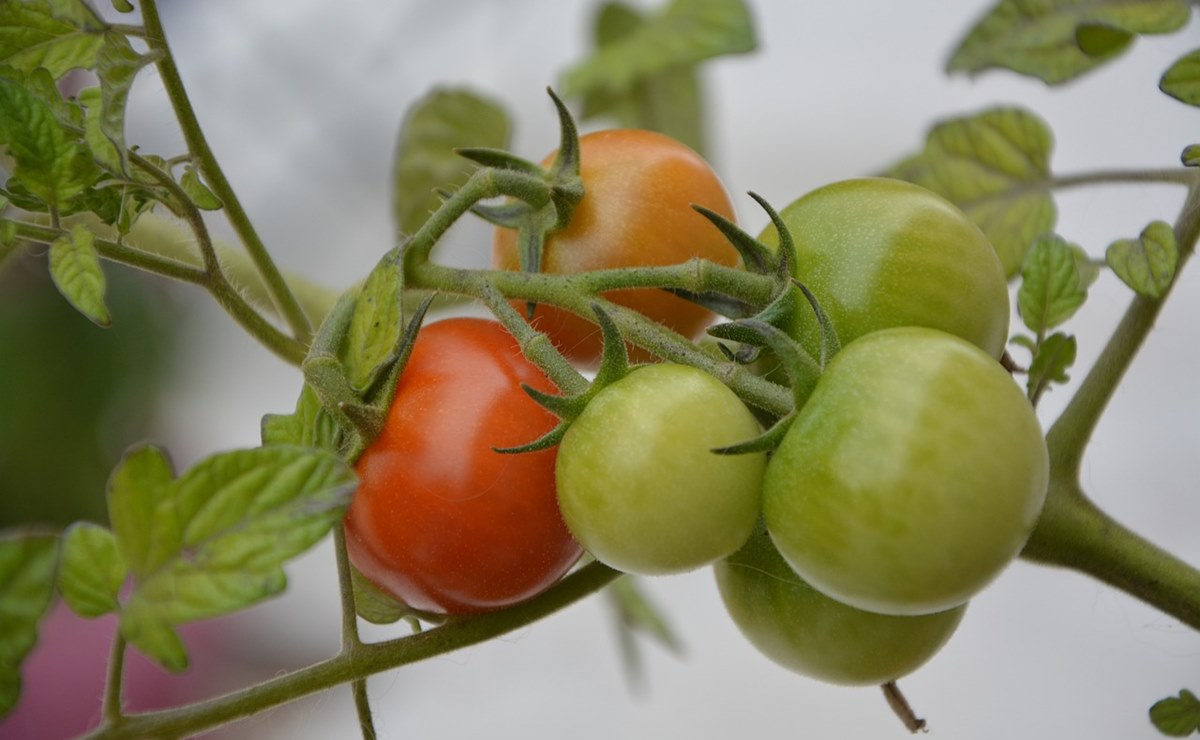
[(369, 660)]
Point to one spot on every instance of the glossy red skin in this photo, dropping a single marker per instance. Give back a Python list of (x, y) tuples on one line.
[(639, 187), (440, 520)]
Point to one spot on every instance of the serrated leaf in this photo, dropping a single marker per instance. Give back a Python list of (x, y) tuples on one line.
[(1182, 79), (1059, 40), (995, 166), (683, 34), (1051, 360), (117, 65), (310, 425), (229, 524), (376, 324), (1177, 716), (201, 196), (91, 570), (1051, 286), (59, 35), (50, 161), (75, 268), (136, 487), (26, 587), (1146, 264), (103, 150), (425, 161)]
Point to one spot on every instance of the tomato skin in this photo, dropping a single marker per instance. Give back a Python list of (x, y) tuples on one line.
[(805, 631), (879, 253), (639, 187), (638, 483), (912, 476), (440, 520)]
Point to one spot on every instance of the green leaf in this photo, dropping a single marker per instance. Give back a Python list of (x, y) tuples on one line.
[(59, 35), (1059, 40), (1182, 79), (104, 151), (425, 161), (198, 191), (75, 268), (122, 6), (310, 425), (373, 604), (228, 525), (683, 34), (1177, 716), (116, 66), (1051, 287), (1051, 360), (50, 161), (376, 324), (135, 489), (1191, 156), (27, 563), (92, 570), (1146, 264), (995, 166), (669, 101)]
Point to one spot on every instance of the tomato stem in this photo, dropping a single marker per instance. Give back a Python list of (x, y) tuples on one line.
[(113, 684)]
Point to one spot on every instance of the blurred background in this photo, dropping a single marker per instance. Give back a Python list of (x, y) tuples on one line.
[(301, 102)]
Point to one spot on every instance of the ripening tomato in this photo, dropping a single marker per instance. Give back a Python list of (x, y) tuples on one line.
[(911, 477), (440, 520), (805, 631), (879, 253), (639, 187), (638, 482)]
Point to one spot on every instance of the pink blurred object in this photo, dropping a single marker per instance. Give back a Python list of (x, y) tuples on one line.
[(63, 678)]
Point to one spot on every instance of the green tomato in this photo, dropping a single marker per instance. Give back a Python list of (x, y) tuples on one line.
[(879, 253), (638, 484), (911, 477), (805, 631)]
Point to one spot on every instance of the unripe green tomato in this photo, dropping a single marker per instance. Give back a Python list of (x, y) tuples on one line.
[(805, 631), (879, 253), (912, 476), (638, 484)]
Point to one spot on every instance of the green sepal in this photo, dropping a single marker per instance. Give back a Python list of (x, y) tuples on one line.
[(498, 158), (831, 344), (802, 370), (765, 442), (504, 215), (756, 256)]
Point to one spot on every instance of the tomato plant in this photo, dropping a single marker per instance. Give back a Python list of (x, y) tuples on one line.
[(441, 520), (914, 474), (803, 630), (879, 253), (638, 482), (639, 188)]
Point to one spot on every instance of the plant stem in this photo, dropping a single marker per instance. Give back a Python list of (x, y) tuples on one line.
[(371, 659), (113, 711), (286, 303), (351, 643)]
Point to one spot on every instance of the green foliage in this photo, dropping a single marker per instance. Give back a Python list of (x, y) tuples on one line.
[(1052, 286), (995, 166), (196, 189), (425, 160), (27, 563), (1182, 79), (1146, 264), (59, 35), (644, 70), (75, 268), (213, 541), (92, 569), (1059, 40), (1050, 361), (310, 425), (1191, 156), (1177, 716), (376, 324)]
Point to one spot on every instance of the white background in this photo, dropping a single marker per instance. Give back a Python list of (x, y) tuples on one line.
[(301, 101)]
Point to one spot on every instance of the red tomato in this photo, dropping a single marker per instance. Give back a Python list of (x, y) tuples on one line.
[(440, 520), (639, 187)]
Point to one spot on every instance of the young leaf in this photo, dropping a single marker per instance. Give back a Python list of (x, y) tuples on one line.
[(1177, 716), (59, 35), (1182, 79), (1146, 264), (92, 570), (1051, 286), (1059, 40), (1191, 156), (135, 489), (310, 426), (1051, 360), (376, 323), (26, 586), (116, 66), (425, 160), (995, 166), (683, 34), (372, 603), (198, 191), (75, 267), (225, 528)]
